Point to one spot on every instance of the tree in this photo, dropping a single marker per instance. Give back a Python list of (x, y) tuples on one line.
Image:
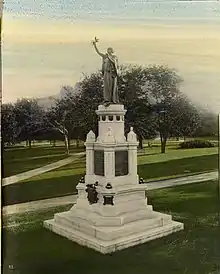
[(90, 97), (176, 116), (208, 126), (136, 100), (142, 89), (56, 119), (9, 125), (65, 117), (29, 118), (187, 117)]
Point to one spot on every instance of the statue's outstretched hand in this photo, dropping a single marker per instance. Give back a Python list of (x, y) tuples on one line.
[(96, 40)]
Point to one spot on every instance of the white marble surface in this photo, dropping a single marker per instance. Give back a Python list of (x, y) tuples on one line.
[(117, 126), (130, 220)]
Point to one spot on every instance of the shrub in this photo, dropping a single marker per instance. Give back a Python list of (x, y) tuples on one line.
[(196, 144)]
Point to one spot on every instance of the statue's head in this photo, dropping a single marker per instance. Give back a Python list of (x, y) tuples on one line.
[(110, 50)]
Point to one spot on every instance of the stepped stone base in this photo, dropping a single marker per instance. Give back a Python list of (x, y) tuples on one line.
[(108, 239)]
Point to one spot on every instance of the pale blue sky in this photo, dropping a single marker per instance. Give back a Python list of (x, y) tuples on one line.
[(47, 43)]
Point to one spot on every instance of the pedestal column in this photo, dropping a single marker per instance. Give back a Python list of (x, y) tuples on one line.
[(89, 160), (132, 159), (132, 153), (90, 140), (109, 156)]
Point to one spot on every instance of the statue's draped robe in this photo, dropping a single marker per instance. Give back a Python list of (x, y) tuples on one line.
[(110, 74)]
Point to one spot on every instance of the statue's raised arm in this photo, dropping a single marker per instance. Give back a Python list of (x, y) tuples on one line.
[(94, 42)]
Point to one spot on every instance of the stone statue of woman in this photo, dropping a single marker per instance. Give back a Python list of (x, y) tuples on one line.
[(110, 74)]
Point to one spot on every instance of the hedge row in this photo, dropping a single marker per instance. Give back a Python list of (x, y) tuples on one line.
[(196, 144)]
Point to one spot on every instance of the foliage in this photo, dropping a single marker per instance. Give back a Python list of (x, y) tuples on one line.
[(87, 102), (9, 125), (151, 95), (196, 144), (136, 101), (65, 117), (208, 125), (176, 116), (29, 118)]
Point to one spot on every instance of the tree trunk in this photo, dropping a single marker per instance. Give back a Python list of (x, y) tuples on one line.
[(140, 139), (29, 143), (54, 143), (26, 143), (66, 140), (69, 143), (163, 140), (77, 143)]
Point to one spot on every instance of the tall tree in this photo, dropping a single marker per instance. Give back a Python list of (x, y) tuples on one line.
[(65, 117), (136, 100), (176, 116)]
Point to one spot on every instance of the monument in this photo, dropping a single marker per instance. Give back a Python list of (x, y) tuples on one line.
[(111, 211)]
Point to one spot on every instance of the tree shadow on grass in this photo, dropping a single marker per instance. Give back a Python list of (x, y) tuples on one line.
[(41, 189), (178, 166), (18, 166), (181, 198)]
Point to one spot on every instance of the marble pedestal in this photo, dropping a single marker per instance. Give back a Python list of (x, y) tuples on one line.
[(121, 216)]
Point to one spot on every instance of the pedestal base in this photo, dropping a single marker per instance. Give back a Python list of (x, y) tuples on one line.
[(117, 238)]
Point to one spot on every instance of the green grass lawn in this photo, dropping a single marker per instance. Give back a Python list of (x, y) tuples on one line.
[(153, 155), (32, 249), (18, 160), (63, 181)]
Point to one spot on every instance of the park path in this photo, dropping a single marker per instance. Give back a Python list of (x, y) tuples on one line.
[(71, 199), (34, 172)]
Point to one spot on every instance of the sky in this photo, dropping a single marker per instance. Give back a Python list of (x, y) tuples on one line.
[(47, 44)]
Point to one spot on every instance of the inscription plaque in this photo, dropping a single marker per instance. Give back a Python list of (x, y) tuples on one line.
[(108, 200), (121, 163), (99, 162)]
